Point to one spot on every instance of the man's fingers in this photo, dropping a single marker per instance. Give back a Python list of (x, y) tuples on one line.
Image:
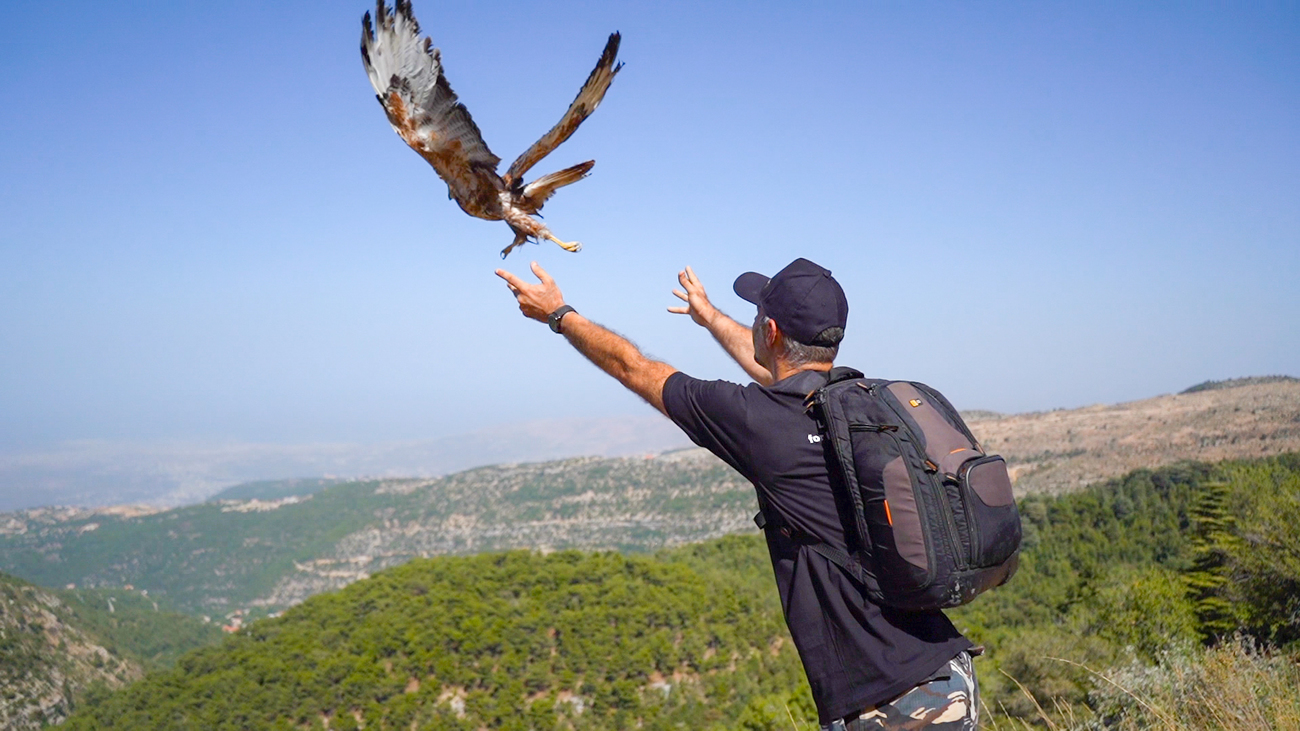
[(511, 280), (681, 295), (680, 310), (690, 273), (689, 281), (542, 275)]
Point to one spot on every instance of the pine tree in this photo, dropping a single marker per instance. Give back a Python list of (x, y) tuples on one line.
[(1212, 531)]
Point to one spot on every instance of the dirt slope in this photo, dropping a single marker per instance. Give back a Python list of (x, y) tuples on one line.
[(1062, 450)]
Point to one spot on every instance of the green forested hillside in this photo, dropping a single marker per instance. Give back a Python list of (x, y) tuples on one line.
[(1236, 382), (1122, 586), (200, 559), (276, 489), (503, 641), (136, 627), (1145, 595), (267, 555)]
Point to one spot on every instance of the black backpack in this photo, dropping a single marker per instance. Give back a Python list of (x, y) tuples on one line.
[(933, 519)]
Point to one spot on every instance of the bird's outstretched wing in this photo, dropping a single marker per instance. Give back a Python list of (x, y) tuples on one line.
[(583, 105), (407, 75)]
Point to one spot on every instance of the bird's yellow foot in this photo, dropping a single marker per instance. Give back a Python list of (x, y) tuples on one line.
[(566, 245)]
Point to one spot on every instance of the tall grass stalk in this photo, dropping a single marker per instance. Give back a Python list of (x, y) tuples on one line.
[(1157, 712), (791, 715), (1235, 686), (1041, 713)]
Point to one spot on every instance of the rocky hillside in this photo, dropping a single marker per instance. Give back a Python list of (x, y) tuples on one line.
[(1058, 451), (58, 645), (45, 661)]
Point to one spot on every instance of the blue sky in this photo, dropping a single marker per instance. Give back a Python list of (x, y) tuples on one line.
[(209, 232)]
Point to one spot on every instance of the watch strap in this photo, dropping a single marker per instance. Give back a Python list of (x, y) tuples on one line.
[(554, 318)]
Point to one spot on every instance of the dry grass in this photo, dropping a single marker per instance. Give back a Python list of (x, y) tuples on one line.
[(1233, 687)]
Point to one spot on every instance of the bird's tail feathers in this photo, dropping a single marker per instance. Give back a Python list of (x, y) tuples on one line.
[(536, 193)]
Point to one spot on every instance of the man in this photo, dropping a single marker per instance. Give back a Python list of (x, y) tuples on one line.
[(869, 667)]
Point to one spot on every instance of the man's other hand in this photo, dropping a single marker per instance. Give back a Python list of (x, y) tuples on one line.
[(697, 302), (536, 301)]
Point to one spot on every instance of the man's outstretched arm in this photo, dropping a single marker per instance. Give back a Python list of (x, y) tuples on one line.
[(609, 351), (734, 338)]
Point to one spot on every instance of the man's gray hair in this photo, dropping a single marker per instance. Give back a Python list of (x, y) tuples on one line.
[(796, 353)]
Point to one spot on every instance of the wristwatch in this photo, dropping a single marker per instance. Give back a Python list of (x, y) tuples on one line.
[(554, 318)]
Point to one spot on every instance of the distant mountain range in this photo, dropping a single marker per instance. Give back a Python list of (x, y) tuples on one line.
[(269, 545), (168, 474)]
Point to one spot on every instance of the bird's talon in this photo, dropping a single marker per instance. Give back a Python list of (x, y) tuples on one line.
[(573, 246)]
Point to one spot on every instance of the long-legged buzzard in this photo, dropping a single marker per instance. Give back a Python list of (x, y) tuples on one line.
[(407, 75)]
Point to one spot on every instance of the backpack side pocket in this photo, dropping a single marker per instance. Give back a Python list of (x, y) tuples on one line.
[(986, 485)]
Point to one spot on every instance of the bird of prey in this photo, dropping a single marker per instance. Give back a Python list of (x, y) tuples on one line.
[(407, 75)]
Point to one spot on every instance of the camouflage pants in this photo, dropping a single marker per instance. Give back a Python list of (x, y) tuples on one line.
[(949, 700)]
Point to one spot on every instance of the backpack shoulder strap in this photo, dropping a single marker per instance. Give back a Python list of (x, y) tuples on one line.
[(844, 561), (836, 556), (842, 373)]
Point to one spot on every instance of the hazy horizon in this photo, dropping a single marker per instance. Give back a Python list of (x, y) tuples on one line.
[(169, 473)]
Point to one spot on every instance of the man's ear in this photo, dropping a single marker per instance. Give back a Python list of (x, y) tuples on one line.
[(772, 335)]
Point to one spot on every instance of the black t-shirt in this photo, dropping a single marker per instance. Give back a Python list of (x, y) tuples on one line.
[(856, 654)]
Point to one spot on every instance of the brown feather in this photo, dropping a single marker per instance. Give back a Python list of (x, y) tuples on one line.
[(589, 97), (406, 72)]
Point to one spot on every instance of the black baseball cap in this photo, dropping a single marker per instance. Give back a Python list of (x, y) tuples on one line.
[(804, 299)]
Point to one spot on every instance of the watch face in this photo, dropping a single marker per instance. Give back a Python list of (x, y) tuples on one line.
[(555, 317)]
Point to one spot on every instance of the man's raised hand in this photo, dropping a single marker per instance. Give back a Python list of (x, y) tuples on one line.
[(536, 301), (697, 302)]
